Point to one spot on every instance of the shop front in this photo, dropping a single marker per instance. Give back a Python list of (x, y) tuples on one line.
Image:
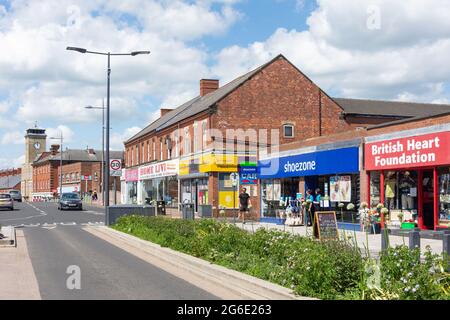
[(205, 180), (333, 173), (131, 186), (159, 182), (411, 177)]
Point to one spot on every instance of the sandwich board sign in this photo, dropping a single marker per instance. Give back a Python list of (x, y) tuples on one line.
[(115, 168), (325, 225)]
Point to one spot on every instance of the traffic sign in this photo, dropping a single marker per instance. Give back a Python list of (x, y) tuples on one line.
[(115, 166), (86, 178)]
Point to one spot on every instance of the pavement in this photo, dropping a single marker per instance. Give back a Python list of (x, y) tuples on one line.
[(60, 260), (364, 241)]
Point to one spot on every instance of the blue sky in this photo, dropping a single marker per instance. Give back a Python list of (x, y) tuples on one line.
[(379, 49)]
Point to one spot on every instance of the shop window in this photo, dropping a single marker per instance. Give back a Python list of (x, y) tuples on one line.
[(288, 131), (276, 194), (226, 192), (203, 193), (444, 196)]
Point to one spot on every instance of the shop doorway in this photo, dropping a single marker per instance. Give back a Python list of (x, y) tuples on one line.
[(428, 199)]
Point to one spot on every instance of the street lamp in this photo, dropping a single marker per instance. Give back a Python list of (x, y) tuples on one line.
[(60, 162), (109, 54), (102, 171)]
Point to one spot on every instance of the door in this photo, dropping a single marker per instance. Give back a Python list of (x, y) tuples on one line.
[(428, 199)]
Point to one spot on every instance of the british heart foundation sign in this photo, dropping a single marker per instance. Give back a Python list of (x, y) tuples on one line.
[(412, 152)]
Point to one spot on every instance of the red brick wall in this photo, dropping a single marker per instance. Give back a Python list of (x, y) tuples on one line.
[(277, 95)]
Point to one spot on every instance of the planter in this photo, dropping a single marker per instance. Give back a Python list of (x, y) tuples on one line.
[(205, 210)]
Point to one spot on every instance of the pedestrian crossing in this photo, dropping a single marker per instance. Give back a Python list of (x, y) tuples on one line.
[(53, 225)]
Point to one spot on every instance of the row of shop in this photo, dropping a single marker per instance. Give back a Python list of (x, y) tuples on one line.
[(408, 172)]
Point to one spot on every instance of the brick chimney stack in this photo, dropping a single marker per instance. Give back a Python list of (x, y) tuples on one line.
[(54, 149), (208, 86)]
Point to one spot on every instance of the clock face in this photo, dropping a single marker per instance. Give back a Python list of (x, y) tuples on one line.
[(37, 145)]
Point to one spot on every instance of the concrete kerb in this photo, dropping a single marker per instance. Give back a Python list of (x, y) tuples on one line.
[(247, 286), (10, 237)]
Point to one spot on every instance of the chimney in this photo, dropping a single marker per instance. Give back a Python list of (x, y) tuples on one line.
[(164, 111), (208, 85), (54, 149)]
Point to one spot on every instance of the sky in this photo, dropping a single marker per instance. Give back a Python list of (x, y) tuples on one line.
[(375, 49)]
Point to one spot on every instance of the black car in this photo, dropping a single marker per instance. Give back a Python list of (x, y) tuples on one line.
[(70, 201)]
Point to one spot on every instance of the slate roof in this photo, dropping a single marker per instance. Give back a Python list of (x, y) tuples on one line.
[(79, 155), (9, 182), (350, 106), (390, 108), (198, 104)]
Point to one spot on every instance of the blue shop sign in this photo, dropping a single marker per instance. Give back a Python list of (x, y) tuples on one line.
[(345, 160), (248, 175)]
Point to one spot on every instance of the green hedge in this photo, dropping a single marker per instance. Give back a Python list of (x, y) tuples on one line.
[(326, 270)]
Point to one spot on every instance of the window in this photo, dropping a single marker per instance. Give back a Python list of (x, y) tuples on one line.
[(176, 144), (288, 131), (148, 150), (204, 136), (137, 154), (167, 147), (160, 150), (143, 153), (154, 150), (187, 141), (132, 160), (195, 137)]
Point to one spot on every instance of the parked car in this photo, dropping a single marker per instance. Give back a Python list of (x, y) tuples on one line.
[(16, 195), (6, 201), (70, 201)]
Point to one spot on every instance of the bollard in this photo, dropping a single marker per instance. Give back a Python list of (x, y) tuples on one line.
[(384, 239), (414, 239), (446, 248)]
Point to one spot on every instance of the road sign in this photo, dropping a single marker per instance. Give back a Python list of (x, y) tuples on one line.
[(115, 166), (86, 178), (248, 174)]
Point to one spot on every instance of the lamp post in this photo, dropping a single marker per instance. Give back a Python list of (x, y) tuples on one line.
[(108, 54), (60, 138), (102, 171)]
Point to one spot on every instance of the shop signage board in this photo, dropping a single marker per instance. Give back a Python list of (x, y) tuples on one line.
[(86, 178), (326, 225), (248, 175), (344, 160), (161, 169), (412, 152), (131, 175)]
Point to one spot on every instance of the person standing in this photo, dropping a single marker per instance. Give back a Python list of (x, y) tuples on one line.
[(244, 202), (309, 207)]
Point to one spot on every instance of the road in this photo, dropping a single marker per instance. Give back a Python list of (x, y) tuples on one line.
[(56, 241)]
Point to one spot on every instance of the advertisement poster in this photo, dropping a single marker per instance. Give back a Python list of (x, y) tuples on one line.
[(340, 189)]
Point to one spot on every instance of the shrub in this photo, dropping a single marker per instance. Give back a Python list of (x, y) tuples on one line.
[(327, 270)]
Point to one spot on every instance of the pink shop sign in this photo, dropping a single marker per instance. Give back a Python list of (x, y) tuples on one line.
[(131, 175)]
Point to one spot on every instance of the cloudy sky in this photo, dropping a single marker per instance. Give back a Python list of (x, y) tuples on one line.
[(379, 49)]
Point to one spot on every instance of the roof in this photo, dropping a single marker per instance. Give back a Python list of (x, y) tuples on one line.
[(392, 123), (390, 108), (199, 103), (79, 155), (9, 182)]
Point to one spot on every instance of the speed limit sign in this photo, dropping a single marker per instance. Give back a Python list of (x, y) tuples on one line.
[(115, 166)]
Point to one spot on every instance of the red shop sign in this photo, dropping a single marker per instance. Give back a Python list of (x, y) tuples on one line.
[(419, 151)]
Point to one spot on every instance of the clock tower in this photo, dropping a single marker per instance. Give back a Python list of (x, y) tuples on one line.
[(35, 144)]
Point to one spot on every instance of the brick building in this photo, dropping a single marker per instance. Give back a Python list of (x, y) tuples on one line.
[(187, 154), (81, 172), (10, 179)]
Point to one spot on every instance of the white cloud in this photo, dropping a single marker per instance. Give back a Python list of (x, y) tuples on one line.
[(12, 137), (343, 55), (8, 163), (54, 84), (117, 139), (67, 134)]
